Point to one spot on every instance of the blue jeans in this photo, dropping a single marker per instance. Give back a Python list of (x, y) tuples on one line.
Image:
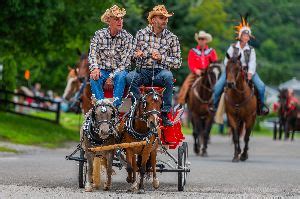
[(119, 85), (218, 89), (162, 78)]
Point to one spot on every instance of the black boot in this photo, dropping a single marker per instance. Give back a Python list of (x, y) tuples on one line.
[(263, 109), (165, 119)]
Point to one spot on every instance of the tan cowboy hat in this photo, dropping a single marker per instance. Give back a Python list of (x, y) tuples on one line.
[(114, 11), (159, 10), (203, 34)]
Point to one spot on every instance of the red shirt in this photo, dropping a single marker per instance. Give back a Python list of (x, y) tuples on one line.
[(292, 103), (201, 59)]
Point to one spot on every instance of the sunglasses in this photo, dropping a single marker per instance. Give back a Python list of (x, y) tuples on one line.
[(202, 38)]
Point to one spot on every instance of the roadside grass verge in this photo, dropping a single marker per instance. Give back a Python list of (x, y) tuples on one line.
[(30, 131)]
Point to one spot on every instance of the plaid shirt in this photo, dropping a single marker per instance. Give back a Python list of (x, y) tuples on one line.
[(166, 44), (110, 53)]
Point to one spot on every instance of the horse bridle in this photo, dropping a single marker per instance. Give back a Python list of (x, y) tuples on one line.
[(96, 125), (237, 105), (131, 117), (205, 87), (240, 71), (156, 95)]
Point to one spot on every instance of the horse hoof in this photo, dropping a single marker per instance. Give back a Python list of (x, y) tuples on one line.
[(106, 187), (244, 157), (129, 180), (235, 160), (196, 150), (96, 186), (204, 154), (141, 191), (88, 189), (155, 183), (134, 187)]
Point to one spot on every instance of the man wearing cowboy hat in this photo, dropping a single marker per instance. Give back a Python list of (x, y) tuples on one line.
[(157, 50), (110, 55), (248, 60), (199, 59)]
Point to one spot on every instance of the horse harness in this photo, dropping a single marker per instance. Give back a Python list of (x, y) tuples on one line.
[(131, 117), (91, 126), (205, 87)]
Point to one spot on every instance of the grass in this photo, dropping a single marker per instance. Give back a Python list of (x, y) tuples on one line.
[(30, 131), (5, 149)]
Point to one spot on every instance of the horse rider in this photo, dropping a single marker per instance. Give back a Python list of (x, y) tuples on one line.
[(110, 55), (248, 60), (292, 101), (157, 50), (199, 59)]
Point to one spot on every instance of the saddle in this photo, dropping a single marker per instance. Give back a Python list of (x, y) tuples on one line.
[(251, 85)]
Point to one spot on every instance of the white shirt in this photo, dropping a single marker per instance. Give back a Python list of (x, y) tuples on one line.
[(252, 58)]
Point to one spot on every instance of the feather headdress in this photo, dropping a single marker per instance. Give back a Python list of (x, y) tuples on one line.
[(243, 26)]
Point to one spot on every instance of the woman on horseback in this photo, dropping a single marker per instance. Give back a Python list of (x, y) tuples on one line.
[(248, 60), (199, 59)]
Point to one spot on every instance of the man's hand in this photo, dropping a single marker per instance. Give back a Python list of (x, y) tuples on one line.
[(139, 53), (198, 72), (109, 84), (95, 74), (156, 55), (249, 76)]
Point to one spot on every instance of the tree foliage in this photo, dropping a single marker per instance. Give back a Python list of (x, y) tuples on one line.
[(43, 36)]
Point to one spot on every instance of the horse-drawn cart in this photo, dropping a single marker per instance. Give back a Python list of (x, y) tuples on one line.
[(170, 138)]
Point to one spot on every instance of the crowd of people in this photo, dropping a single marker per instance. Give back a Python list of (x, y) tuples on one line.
[(37, 98)]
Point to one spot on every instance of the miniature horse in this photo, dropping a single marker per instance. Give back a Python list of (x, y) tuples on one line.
[(99, 129), (142, 123), (199, 100), (240, 105)]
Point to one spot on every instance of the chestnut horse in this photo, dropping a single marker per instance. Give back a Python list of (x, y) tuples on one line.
[(78, 83), (142, 123), (199, 101), (240, 105)]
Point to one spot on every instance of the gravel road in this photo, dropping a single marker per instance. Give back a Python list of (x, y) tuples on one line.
[(273, 170)]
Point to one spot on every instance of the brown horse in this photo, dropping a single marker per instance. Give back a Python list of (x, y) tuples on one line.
[(240, 105), (142, 123), (79, 84), (199, 101), (289, 119), (283, 95)]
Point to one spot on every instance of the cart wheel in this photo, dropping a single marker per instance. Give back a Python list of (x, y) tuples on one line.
[(82, 170), (182, 159)]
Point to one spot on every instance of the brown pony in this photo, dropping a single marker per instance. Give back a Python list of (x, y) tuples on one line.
[(79, 83), (199, 101), (240, 105), (142, 123)]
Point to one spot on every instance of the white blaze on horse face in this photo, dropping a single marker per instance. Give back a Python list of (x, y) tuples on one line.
[(103, 114), (70, 88)]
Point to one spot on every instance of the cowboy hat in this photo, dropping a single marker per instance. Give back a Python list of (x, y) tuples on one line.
[(203, 34), (114, 11), (159, 10)]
